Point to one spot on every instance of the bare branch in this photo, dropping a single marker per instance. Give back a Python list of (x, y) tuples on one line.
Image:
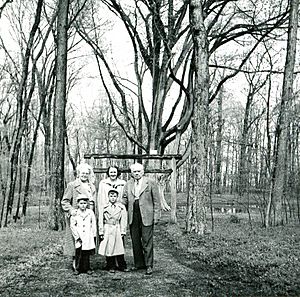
[(3, 6)]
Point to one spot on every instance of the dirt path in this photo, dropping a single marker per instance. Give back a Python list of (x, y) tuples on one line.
[(32, 264), (52, 276)]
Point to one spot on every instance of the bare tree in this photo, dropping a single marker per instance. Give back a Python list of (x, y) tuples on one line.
[(2, 7), (162, 37), (58, 145), (278, 184), (23, 102), (198, 178)]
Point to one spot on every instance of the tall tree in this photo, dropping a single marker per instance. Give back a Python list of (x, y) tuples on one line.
[(280, 168), (58, 144), (158, 32), (198, 179), (23, 100)]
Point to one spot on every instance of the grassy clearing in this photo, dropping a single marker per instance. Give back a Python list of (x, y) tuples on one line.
[(25, 249), (235, 260), (27, 245), (251, 258)]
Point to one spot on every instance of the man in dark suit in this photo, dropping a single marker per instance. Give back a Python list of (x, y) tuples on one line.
[(142, 200)]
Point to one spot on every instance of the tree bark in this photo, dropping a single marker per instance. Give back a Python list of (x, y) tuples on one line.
[(55, 220), (280, 168), (198, 179), (219, 142)]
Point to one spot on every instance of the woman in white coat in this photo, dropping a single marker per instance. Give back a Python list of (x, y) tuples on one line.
[(112, 181)]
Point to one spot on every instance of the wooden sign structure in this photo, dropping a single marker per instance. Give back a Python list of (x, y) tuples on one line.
[(169, 169)]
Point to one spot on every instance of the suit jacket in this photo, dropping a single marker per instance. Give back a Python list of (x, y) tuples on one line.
[(149, 200)]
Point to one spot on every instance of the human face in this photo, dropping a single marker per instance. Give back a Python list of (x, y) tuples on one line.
[(137, 173), (84, 175), (82, 204), (112, 197), (113, 173)]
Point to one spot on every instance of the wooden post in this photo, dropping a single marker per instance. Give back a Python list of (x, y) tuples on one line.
[(93, 162), (173, 218)]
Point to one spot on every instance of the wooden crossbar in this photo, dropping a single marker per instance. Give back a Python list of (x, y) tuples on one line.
[(126, 170), (171, 170), (136, 156)]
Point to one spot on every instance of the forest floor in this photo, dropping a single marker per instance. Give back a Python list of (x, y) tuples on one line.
[(235, 260)]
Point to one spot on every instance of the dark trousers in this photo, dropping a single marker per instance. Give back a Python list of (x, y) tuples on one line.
[(116, 262), (82, 260), (142, 239)]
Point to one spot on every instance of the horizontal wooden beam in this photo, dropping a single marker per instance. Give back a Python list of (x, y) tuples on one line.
[(127, 170), (129, 156)]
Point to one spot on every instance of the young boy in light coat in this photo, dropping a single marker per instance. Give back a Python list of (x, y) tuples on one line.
[(112, 229), (83, 227)]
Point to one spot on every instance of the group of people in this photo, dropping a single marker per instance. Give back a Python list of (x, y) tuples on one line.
[(97, 222)]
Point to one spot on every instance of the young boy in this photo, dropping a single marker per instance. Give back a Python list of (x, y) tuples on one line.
[(83, 226), (112, 229)]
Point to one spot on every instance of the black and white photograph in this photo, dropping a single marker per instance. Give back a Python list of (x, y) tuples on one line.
[(150, 148)]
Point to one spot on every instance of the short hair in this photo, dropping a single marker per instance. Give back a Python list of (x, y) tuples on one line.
[(136, 166), (113, 166), (82, 166), (113, 191), (82, 197)]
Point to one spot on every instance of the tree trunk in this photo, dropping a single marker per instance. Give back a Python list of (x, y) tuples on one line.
[(31, 155), (243, 168), (55, 220), (21, 115), (219, 143), (198, 180), (279, 175)]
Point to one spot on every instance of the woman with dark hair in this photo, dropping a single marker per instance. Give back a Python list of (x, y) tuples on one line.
[(112, 181)]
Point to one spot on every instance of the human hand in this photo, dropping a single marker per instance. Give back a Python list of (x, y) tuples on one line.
[(164, 205), (92, 205)]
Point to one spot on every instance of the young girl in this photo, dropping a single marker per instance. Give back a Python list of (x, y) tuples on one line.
[(112, 229), (83, 226)]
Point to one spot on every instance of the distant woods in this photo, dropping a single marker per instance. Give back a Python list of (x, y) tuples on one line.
[(214, 81)]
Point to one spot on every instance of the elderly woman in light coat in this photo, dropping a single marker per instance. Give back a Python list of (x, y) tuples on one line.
[(81, 185)]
